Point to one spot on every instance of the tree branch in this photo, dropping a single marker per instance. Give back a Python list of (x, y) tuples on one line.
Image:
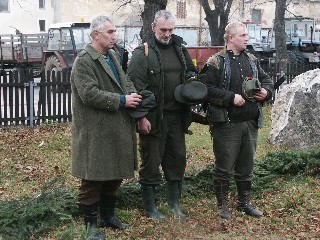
[(124, 4)]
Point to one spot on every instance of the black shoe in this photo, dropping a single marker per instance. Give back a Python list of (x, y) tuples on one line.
[(221, 188), (90, 213), (113, 222), (224, 211), (249, 210), (244, 196), (107, 214)]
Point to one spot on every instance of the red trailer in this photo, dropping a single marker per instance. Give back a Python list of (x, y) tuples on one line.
[(200, 55)]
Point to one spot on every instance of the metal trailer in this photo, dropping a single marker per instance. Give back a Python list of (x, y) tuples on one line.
[(21, 51)]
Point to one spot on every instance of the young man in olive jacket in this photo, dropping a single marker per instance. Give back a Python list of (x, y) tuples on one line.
[(103, 134), (160, 65), (237, 87)]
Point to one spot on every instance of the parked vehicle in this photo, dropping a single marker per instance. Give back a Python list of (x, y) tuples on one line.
[(65, 41), (21, 51), (303, 43), (52, 51)]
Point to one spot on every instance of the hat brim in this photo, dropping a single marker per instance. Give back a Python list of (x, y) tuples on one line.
[(147, 104), (177, 94), (249, 88), (199, 97)]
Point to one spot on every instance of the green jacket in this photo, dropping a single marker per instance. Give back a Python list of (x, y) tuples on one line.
[(146, 72), (103, 134)]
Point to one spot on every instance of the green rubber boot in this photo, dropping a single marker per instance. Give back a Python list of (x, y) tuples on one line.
[(174, 195), (149, 203)]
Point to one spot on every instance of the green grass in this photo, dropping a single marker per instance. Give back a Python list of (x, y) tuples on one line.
[(287, 189)]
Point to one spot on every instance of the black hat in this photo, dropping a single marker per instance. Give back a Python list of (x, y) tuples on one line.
[(148, 103), (250, 86), (192, 92)]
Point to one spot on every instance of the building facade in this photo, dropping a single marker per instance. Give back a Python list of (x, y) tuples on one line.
[(33, 16), (25, 16)]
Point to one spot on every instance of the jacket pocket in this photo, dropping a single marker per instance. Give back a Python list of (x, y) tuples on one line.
[(154, 77), (217, 114), (153, 83)]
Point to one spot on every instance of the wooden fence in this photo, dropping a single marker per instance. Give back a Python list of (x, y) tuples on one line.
[(26, 100)]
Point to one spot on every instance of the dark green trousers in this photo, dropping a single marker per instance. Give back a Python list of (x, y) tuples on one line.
[(234, 146), (167, 150)]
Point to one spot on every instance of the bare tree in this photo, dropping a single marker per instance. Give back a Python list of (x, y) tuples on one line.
[(150, 9), (280, 34), (217, 18)]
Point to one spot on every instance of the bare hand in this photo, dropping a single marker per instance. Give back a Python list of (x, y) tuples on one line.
[(144, 126), (133, 100), (238, 100), (260, 95)]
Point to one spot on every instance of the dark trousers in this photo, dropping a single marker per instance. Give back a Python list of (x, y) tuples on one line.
[(90, 192), (168, 150), (234, 146)]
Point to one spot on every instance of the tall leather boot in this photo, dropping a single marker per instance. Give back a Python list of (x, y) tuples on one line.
[(244, 196), (148, 193), (222, 195), (90, 213), (107, 214), (174, 195)]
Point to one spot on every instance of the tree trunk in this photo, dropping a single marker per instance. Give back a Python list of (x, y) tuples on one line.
[(150, 9), (217, 19), (280, 35)]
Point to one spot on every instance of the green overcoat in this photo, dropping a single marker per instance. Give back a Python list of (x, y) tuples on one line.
[(103, 133)]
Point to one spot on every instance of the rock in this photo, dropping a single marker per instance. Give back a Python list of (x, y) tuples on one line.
[(296, 113)]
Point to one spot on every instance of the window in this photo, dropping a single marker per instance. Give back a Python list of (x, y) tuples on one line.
[(42, 25), (66, 41), (42, 4), (54, 39), (4, 5), (256, 15), (181, 9)]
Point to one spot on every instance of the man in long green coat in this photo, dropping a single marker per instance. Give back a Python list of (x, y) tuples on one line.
[(103, 135)]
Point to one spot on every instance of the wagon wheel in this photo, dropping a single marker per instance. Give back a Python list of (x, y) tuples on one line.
[(52, 67)]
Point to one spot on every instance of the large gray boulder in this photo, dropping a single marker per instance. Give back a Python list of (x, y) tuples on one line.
[(296, 113)]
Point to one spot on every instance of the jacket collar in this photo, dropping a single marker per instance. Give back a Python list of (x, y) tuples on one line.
[(176, 40), (224, 51), (95, 55)]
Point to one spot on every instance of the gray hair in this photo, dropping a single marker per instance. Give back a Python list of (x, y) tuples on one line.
[(163, 13), (98, 23), (232, 29)]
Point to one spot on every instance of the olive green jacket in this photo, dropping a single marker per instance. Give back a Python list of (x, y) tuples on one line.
[(146, 72), (103, 134)]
